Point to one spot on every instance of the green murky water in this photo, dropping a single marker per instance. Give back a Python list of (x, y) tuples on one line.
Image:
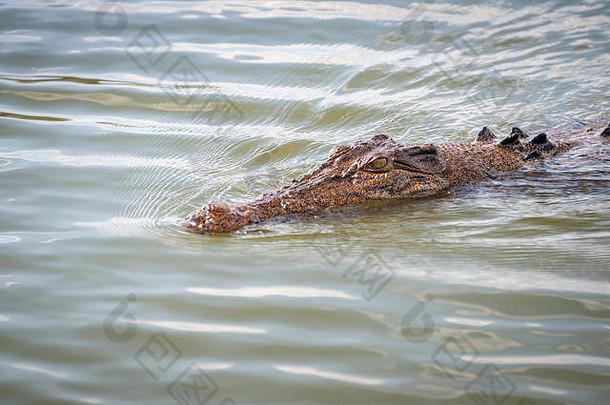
[(119, 118)]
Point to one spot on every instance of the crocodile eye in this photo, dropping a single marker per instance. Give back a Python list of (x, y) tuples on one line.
[(379, 163)]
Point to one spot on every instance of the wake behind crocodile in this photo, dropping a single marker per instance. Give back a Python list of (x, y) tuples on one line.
[(380, 170)]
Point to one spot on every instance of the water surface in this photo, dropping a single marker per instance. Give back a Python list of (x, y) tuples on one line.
[(119, 119)]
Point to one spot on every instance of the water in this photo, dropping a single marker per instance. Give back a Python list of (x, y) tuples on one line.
[(492, 294)]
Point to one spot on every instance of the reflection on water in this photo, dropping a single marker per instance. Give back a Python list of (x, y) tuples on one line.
[(118, 119)]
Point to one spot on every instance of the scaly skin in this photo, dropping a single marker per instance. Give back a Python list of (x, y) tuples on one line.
[(381, 169)]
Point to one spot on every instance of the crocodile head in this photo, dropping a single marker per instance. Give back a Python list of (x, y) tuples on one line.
[(382, 169), (375, 170)]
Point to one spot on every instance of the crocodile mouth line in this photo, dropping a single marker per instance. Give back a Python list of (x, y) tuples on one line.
[(399, 164)]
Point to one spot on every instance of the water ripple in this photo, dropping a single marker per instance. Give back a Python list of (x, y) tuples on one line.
[(203, 327), (330, 375), (99, 162), (281, 291)]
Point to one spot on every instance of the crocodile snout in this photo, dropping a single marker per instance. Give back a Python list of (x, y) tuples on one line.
[(214, 218)]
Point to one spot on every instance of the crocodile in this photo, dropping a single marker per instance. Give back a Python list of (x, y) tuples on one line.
[(380, 169)]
